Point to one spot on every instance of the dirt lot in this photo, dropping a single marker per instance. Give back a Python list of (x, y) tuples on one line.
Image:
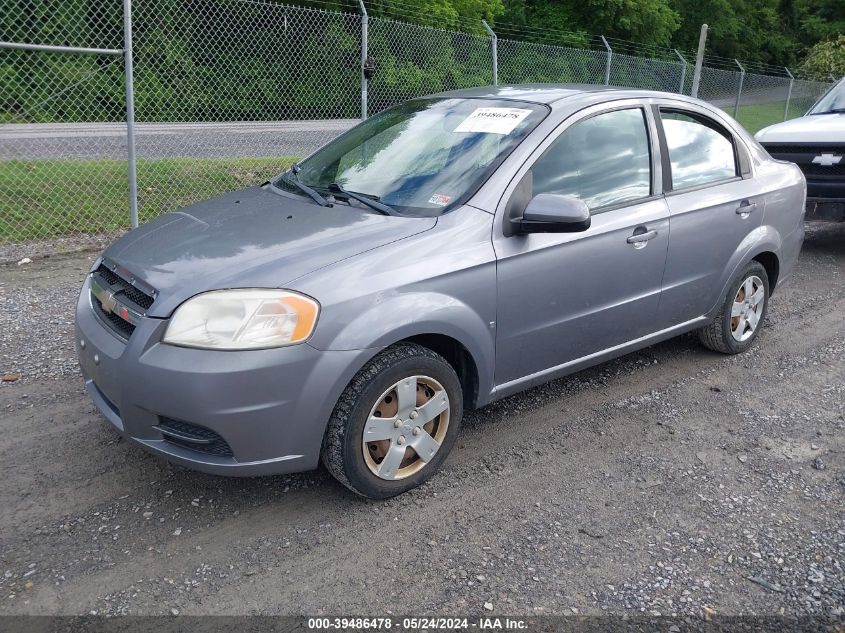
[(670, 481)]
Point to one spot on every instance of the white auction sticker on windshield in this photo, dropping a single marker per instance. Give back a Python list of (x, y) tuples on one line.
[(493, 120)]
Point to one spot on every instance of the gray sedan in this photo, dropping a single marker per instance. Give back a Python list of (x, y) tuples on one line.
[(444, 253)]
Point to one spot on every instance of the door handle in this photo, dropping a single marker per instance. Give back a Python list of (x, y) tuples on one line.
[(642, 238), (745, 208)]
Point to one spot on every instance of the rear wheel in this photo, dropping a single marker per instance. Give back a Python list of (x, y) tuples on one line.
[(741, 317), (395, 423)]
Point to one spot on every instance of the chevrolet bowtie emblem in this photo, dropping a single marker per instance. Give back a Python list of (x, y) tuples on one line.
[(827, 160), (110, 304), (106, 298)]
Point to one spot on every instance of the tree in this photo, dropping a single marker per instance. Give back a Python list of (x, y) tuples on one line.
[(720, 17), (826, 60), (644, 21), (819, 20)]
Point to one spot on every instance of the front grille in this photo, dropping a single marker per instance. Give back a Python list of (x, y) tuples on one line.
[(123, 287), (197, 438), (803, 155), (123, 328), (126, 294), (835, 172), (800, 148)]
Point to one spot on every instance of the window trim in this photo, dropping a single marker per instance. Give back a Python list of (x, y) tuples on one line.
[(651, 155)]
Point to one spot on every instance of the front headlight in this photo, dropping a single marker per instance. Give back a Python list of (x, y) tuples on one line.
[(243, 319)]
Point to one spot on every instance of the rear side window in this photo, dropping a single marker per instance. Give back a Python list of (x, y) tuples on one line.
[(700, 151), (603, 160)]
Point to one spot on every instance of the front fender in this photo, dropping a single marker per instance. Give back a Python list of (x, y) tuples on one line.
[(401, 316), (763, 239)]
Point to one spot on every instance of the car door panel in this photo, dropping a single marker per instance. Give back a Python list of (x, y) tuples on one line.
[(709, 221), (561, 297), (707, 227)]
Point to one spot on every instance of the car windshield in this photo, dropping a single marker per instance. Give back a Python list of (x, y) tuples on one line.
[(833, 101), (419, 158)]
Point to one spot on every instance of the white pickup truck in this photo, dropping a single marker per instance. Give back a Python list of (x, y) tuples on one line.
[(816, 143)]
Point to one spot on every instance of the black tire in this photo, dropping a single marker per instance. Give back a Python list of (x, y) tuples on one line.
[(342, 451), (717, 335)]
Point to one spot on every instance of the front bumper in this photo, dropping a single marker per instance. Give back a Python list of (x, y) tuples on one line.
[(826, 209), (270, 406)]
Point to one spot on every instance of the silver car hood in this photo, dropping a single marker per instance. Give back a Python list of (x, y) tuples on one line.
[(254, 238), (814, 128)]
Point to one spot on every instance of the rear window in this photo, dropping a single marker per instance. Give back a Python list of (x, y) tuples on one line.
[(700, 151)]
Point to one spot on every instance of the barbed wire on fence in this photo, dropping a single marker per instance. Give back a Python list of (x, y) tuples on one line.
[(229, 92)]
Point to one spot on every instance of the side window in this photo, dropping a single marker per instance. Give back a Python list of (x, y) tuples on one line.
[(700, 152), (603, 160)]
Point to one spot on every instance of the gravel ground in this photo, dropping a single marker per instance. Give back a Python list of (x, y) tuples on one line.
[(14, 252), (670, 481)]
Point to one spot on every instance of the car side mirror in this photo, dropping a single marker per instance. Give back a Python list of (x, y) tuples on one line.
[(553, 213)]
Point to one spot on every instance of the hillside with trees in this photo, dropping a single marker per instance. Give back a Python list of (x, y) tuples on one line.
[(772, 32)]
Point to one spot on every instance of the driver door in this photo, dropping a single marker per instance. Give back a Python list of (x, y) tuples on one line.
[(563, 297)]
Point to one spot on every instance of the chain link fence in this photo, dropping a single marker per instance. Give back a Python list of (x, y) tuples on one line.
[(528, 62), (41, 92), (413, 60), (229, 92)]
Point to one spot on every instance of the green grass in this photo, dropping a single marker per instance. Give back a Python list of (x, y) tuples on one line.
[(755, 117), (46, 198)]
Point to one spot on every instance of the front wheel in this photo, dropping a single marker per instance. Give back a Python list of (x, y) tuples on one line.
[(741, 317), (395, 423)]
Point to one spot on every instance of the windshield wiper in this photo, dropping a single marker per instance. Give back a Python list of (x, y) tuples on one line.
[(316, 197), (370, 201), (832, 111)]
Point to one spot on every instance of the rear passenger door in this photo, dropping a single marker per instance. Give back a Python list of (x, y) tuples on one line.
[(713, 204)]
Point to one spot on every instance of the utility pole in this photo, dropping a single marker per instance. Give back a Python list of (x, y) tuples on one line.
[(699, 61)]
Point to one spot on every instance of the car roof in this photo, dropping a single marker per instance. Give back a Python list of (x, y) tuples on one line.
[(548, 93)]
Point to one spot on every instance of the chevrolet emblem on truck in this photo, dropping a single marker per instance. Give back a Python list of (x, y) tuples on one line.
[(827, 160)]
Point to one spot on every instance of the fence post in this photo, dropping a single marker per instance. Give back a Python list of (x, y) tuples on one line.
[(130, 112), (365, 25), (739, 91), (788, 93), (699, 61), (494, 43), (607, 64), (683, 70)]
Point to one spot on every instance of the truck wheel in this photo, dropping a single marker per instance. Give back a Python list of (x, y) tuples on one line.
[(395, 422), (741, 317)]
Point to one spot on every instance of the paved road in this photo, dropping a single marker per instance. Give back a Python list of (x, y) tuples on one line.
[(163, 140), (657, 483), (192, 140)]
